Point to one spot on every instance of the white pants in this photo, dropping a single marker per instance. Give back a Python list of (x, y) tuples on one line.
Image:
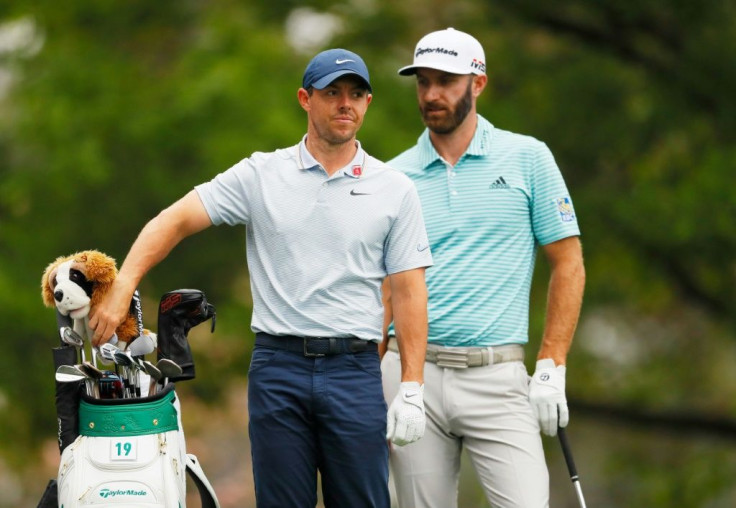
[(487, 411)]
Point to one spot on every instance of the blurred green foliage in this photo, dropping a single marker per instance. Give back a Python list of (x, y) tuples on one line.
[(110, 111)]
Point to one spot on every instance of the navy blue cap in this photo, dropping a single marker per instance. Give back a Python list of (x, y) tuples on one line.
[(329, 65)]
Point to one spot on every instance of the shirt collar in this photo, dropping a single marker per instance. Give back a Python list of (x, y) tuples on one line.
[(479, 146), (354, 169)]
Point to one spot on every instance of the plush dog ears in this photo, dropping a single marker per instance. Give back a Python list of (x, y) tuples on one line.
[(96, 266), (47, 292)]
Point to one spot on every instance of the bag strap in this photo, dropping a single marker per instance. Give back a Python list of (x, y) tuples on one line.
[(50, 496), (206, 492)]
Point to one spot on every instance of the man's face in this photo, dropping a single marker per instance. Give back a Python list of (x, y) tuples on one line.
[(445, 99), (336, 112)]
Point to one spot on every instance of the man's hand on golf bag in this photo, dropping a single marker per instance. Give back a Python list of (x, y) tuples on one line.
[(547, 396), (406, 418)]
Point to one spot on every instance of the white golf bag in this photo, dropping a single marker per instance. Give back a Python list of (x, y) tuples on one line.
[(130, 453)]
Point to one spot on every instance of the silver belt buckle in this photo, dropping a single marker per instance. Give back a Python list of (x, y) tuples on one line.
[(452, 358)]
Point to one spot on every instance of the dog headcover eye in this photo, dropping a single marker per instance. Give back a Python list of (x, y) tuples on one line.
[(78, 278)]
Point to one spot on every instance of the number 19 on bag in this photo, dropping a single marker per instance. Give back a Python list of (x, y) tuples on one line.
[(123, 450)]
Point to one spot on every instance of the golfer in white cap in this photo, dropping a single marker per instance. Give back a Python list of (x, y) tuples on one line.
[(490, 198)]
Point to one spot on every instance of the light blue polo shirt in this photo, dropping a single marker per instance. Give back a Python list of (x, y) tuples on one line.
[(318, 247), (485, 218)]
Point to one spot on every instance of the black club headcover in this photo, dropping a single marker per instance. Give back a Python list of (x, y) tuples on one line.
[(67, 399), (178, 312)]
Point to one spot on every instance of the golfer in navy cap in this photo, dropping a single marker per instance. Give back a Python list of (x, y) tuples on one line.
[(324, 223)]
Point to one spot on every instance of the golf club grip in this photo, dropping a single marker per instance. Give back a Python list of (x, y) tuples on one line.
[(562, 435)]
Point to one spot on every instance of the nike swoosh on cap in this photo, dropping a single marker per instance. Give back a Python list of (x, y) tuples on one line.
[(338, 61)]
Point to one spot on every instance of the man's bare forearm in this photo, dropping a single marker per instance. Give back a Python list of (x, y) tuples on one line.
[(388, 315), (409, 308), (564, 299)]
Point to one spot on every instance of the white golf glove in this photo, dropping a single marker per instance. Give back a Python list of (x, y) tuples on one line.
[(547, 396), (406, 419)]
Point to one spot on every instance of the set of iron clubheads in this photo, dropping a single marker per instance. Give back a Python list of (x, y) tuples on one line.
[(115, 373)]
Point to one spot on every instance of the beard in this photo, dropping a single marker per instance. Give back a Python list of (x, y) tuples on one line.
[(453, 117)]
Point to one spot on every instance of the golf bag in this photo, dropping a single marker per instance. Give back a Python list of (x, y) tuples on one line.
[(130, 452)]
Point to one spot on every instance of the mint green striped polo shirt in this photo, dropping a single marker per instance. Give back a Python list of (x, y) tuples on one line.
[(485, 218)]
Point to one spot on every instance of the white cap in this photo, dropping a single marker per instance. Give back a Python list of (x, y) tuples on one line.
[(448, 50)]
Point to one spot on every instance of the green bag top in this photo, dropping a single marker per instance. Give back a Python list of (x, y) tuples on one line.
[(150, 417)]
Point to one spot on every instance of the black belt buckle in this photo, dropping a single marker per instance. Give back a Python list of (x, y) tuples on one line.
[(309, 354)]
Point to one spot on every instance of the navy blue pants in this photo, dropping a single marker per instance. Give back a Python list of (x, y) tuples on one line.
[(310, 415)]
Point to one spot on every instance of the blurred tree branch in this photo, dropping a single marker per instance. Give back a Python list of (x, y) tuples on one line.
[(649, 36), (681, 422)]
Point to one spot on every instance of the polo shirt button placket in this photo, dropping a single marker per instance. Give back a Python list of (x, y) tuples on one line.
[(451, 178), (322, 196)]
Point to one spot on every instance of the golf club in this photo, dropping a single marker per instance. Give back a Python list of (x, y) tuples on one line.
[(155, 375), (69, 374), (109, 348), (95, 375), (562, 435), (110, 352), (91, 370), (73, 373), (152, 370), (107, 351), (168, 368), (132, 369), (72, 338)]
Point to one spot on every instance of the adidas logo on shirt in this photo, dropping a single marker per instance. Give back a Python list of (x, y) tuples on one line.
[(499, 184)]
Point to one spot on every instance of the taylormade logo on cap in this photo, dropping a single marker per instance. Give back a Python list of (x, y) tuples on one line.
[(448, 50), (329, 65)]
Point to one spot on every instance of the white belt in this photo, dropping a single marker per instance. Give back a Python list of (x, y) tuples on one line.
[(464, 357)]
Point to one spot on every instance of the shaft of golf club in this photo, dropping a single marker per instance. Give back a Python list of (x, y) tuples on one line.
[(562, 435)]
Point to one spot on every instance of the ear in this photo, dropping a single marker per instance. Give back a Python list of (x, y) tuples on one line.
[(97, 267), (304, 98), (47, 292), (100, 269), (479, 83)]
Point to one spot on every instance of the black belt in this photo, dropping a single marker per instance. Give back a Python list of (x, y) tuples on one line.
[(315, 346)]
